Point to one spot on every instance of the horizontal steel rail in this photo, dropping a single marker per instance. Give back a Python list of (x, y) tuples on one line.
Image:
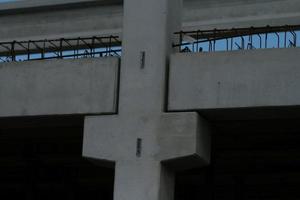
[(75, 48), (238, 38)]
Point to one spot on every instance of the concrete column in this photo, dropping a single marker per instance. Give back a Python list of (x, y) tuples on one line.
[(148, 30), (145, 143), (144, 179)]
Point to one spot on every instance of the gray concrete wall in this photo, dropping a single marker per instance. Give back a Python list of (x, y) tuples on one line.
[(84, 86), (210, 14), (61, 23), (29, 5), (237, 79), (40, 20)]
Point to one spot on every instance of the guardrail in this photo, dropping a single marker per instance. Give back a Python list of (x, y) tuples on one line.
[(63, 48), (238, 39)]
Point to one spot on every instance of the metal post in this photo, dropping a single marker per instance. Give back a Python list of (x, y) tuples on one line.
[(13, 54)]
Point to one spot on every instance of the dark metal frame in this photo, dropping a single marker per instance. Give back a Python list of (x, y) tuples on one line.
[(60, 48), (212, 36)]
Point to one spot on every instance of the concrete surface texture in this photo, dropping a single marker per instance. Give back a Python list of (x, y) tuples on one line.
[(58, 87), (253, 78), (85, 21), (210, 14), (142, 136), (40, 20), (131, 127)]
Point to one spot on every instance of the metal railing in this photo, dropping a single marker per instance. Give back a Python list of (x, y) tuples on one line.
[(238, 39), (63, 48)]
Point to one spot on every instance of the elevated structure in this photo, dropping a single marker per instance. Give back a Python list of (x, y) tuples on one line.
[(159, 117), (24, 20)]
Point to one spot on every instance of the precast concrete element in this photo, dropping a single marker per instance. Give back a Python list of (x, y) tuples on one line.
[(35, 19), (235, 79), (67, 22), (59, 87), (32, 5), (210, 14), (138, 144), (146, 144)]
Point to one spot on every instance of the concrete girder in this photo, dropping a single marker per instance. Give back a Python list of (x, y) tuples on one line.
[(264, 80), (106, 18), (59, 87)]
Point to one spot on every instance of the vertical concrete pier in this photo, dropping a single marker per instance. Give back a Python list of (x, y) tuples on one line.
[(145, 143)]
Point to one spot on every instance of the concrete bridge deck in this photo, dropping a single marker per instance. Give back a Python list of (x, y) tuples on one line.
[(34, 19)]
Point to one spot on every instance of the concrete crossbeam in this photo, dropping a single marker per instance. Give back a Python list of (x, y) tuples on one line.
[(169, 142), (169, 137)]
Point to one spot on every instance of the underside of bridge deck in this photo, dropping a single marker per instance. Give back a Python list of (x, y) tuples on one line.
[(41, 159)]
